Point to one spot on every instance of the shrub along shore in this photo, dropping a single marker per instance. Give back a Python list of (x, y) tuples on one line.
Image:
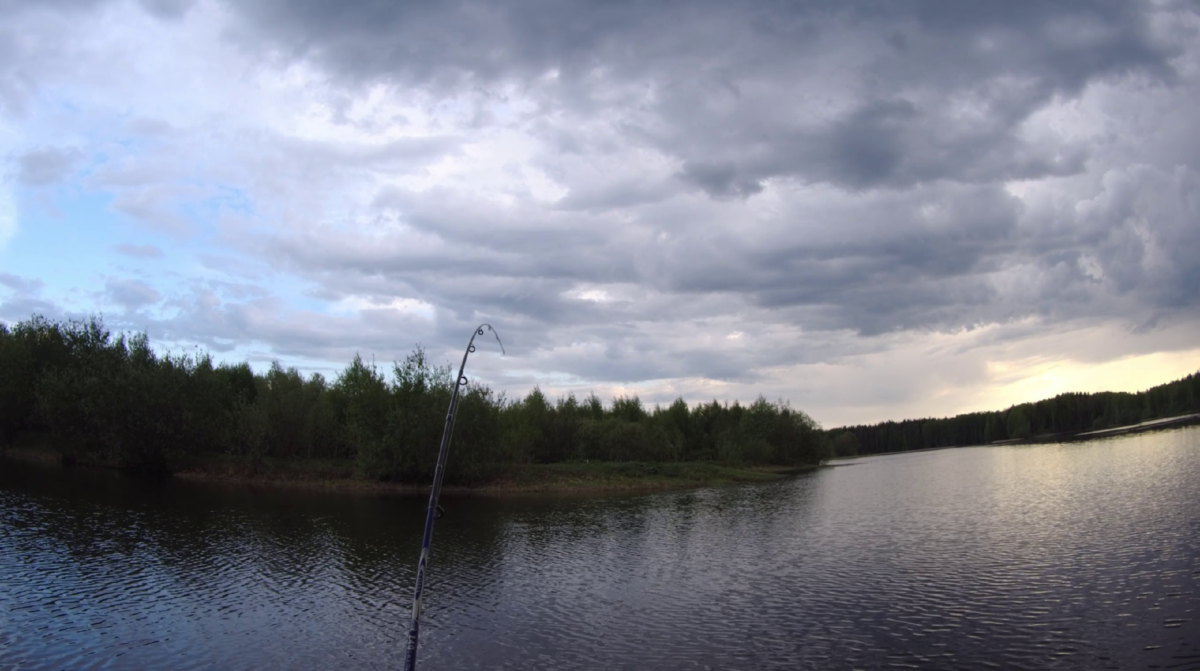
[(109, 399)]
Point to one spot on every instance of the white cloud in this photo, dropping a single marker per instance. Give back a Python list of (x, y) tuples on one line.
[(409, 306)]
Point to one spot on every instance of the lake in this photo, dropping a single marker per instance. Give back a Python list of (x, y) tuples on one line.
[(1071, 556)]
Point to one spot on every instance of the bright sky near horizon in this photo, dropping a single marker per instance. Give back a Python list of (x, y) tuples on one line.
[(874, 210)]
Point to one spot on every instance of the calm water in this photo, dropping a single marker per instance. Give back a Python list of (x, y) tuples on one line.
[(1080, 556)]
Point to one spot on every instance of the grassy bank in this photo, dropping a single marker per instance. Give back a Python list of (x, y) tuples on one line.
[(560, 478)]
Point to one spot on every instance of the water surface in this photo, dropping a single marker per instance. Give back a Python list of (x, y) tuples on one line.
[(1075, 556)]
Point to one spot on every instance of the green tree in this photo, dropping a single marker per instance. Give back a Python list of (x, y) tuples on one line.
[(845, 444), (1017, 422)]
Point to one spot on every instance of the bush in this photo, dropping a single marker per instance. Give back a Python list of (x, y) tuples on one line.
[(844, 444), (118, 403)]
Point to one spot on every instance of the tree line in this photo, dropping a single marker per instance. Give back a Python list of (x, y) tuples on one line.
[(1065, 413), (110, 398)]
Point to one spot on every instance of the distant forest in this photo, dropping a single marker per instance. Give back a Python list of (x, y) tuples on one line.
[(1065, 413), (111, 399)]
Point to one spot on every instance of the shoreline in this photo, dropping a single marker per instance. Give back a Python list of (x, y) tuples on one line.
[(533, 479), (1162, 424)]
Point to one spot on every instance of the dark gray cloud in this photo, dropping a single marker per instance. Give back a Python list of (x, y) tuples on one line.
[(167, 9), (720, 180), (526, 38), (858, 94)]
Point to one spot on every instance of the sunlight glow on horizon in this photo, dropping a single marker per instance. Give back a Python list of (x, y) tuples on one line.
[(1129, 374)]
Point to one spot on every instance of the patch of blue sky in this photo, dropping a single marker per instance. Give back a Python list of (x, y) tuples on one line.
[(69, 239), (62, 238)]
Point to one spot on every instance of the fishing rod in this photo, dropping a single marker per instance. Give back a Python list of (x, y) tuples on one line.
[(410, 656)]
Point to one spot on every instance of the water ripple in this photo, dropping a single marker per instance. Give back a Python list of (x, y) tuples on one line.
[(1082, 556)]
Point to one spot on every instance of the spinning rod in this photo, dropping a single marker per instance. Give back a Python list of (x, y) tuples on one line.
[(410, 656)]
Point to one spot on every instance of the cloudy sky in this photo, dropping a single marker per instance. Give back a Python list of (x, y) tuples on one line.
[(872, 209)]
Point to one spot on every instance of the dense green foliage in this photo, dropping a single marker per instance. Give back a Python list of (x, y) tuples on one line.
[(112, 399), (1065, 413)]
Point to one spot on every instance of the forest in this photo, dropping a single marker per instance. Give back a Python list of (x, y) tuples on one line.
[(106, 398), (1064, 414)]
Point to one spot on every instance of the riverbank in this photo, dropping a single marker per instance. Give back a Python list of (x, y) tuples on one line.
[(561, 478), (1074, 436), (1152, 425), (1161, 424)]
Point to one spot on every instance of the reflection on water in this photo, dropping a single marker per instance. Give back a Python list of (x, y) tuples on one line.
[(1083, 556)]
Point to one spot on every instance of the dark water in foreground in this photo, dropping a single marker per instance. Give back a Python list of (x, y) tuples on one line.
[(1080, 556)]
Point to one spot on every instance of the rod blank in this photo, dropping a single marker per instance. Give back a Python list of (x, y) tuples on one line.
[(431, 514)]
